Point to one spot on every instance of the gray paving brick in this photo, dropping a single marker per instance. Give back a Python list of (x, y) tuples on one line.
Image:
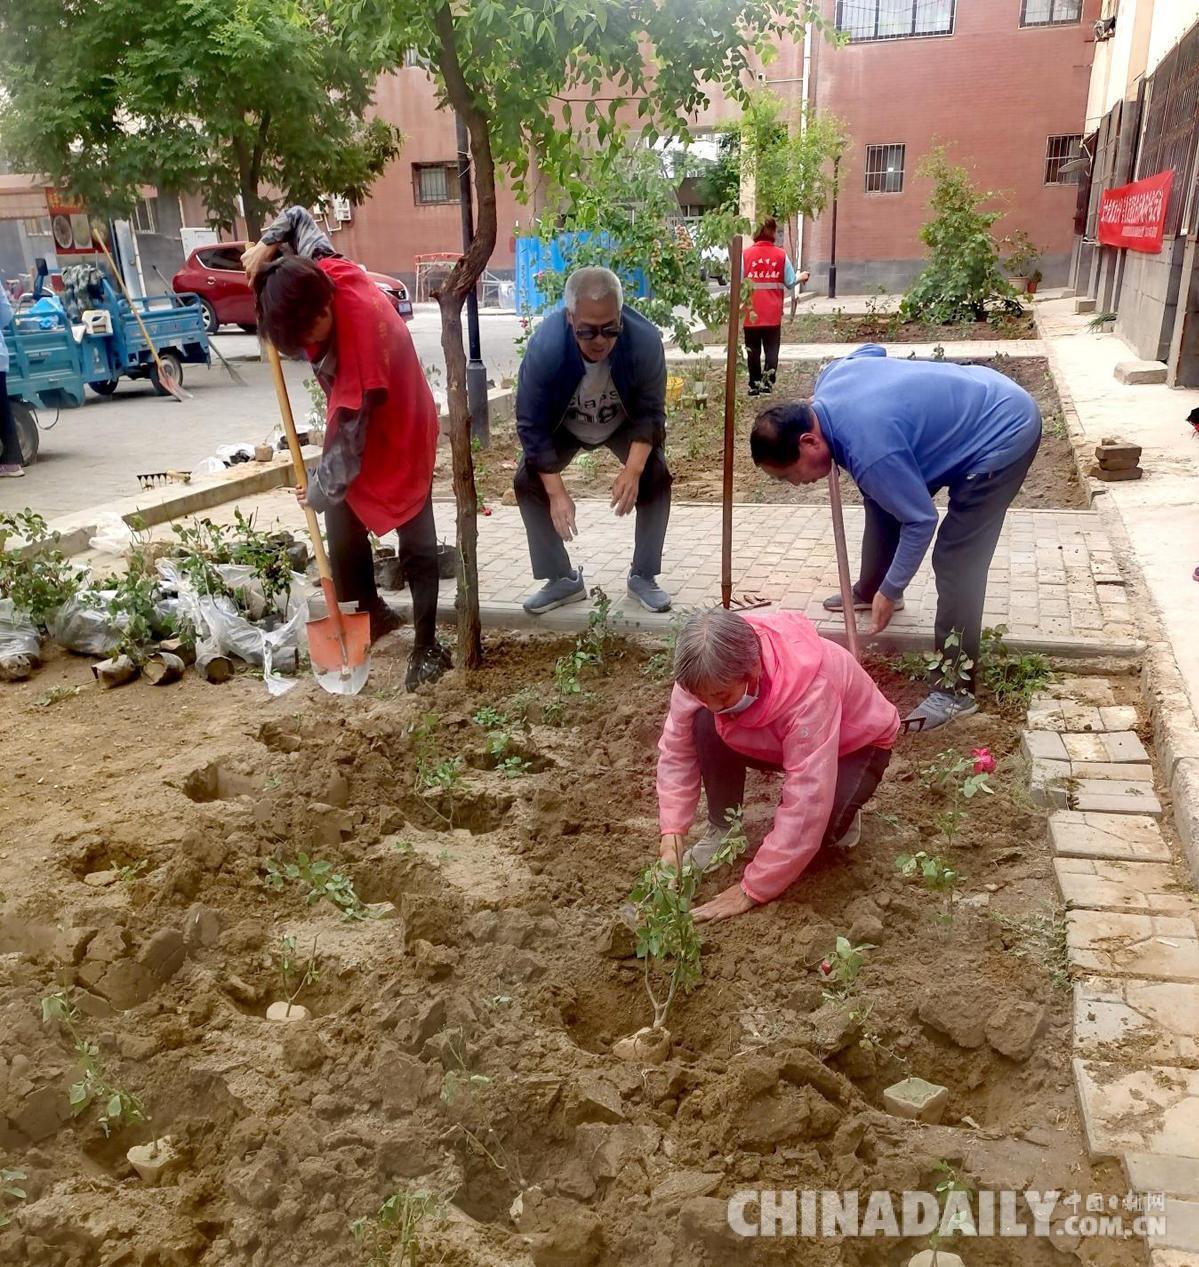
[(1110, 943), (1153, 1022), (1142, 1111), (1103, 884), (1047, 783), (1118, 718), (1182, 1227), (1113, 796), (1127, 771), (1120, 836), (1162, 1172), (1045, 745)]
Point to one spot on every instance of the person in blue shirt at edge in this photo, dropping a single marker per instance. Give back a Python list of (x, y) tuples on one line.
[(905, 430), (594, 373), (10, 446)]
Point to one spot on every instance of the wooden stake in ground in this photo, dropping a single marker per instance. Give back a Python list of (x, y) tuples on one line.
[(851, 620), (732, 354)]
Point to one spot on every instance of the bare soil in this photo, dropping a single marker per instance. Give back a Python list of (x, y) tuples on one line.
[(695, 446), (504, 967), (887, 327)]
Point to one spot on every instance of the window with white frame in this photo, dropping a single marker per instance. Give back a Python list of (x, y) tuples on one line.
[(884, 169), (864, 20), (143, 217), (38, 226), (1059, 150), (1050, 12)]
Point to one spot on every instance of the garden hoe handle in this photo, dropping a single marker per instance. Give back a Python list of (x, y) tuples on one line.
[(314, 528), (730, 421), (173, 388), (851, 621)]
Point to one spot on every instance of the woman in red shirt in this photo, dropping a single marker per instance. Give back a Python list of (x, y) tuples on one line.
[(376, 472)]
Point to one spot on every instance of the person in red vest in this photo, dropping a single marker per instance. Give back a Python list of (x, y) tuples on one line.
[(770, 276), (376, 472)]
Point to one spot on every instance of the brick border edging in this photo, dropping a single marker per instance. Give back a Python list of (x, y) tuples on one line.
[(1163, 688)]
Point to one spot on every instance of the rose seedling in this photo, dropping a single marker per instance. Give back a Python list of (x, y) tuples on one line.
[(117, 1107), (667, 940), (962, 779), (392, 1234), (295, 973), (318, 880), (840, 968), (10, 1190), (936, 875)]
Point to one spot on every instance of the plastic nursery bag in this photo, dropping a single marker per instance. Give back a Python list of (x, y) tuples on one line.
[(222, 629), (18, 637), (84, 624)]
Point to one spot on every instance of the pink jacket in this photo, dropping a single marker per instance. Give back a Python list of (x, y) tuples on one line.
[(815, 703)]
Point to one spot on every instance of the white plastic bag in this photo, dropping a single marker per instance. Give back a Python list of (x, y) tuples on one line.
[(20, 647), (209, 466), (221, 629), (113, 535)]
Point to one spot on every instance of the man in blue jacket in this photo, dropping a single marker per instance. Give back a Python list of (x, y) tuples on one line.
[(594, 374), (905, 430)]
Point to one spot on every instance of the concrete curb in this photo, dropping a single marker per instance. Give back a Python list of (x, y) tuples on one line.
[(1175, 727), (573, 620), (174, 501)]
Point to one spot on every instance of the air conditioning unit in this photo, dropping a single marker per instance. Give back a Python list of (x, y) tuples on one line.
[(342, 211), (1105, 29)]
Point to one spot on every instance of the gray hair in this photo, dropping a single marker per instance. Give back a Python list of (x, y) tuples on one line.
[(594, 285), (715, 648)]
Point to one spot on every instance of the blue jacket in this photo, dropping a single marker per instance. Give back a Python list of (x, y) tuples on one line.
[(904, 429), (5, 318), (553, 368)]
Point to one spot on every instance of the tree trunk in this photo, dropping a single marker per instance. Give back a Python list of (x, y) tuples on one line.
[(461, 281)]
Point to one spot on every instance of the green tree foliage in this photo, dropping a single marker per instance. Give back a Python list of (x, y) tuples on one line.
[(262, 98), (628, 206), (964, 280), (531, 77)]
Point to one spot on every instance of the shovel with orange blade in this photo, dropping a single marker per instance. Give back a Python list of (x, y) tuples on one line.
[(339, 644)]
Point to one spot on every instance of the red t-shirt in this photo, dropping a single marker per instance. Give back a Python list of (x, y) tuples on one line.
[(375, 354)]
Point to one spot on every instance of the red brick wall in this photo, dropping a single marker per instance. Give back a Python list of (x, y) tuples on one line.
[(993, 91)]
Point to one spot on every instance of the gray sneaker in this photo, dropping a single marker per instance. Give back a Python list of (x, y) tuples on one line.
[(647, 591), (942, 706), (557, 592), (833, 603), (701, 853)]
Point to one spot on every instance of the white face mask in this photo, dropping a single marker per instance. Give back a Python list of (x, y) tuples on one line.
[(740, 706)]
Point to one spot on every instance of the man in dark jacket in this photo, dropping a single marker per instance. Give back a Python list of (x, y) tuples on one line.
[(594, 374)]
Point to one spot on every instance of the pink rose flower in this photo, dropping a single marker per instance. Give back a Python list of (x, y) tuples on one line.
[(984, 762)]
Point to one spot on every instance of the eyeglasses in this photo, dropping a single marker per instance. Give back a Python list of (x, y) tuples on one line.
[(585, 334)]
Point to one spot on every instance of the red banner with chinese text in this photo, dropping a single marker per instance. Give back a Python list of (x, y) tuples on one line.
[(1134, 216)]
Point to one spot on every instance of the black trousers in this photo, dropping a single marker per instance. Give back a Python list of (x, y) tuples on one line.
[(10, 446), (759, 340), (722, 770), (353, 565), (547, 550), (962, 552)]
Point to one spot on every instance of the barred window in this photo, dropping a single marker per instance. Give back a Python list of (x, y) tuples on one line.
[(884, 169), (865, 20), (1060, 150), (435, 182), (144, 220), (1050, 12)]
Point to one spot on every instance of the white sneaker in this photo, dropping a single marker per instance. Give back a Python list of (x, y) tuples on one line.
[(853, 833)]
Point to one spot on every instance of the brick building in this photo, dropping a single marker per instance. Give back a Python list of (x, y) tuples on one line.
[(1003, 83)]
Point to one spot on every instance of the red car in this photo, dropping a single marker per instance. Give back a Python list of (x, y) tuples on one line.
[(214, 273)]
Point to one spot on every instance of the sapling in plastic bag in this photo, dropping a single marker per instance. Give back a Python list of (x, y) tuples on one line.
[(20, 647)]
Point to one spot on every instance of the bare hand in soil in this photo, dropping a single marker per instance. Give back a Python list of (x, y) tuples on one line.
[(671, 850), (562, 513), (624, 490), (881, 611), (724, 906)]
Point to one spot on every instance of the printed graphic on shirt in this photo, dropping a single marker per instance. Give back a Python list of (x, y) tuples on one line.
[(595, 410)]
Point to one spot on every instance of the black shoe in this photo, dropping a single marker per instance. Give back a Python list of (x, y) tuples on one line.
[(427, 665), (384, 620)]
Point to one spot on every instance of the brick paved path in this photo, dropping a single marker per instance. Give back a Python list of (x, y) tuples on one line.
[(1053, 581)]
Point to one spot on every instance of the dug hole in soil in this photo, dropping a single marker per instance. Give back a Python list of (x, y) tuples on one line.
[(463, 1047)]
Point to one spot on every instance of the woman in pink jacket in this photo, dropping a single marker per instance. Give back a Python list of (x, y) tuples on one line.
[(765, 690)]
